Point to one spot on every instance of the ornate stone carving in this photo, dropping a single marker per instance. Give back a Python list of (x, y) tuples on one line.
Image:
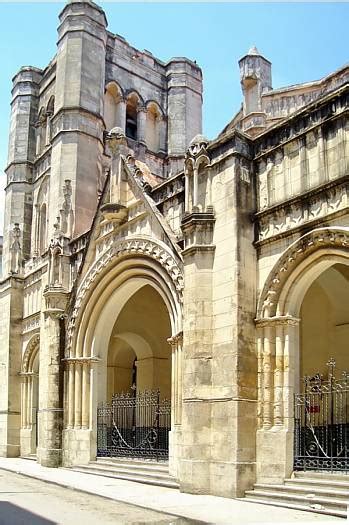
[(31, 323), (336, 237), (31, 347), (16, 250), (302, 210), (136, 246), (67, 209), (198, 146)]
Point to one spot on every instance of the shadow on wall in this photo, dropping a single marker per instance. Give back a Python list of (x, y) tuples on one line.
[(10, 514)]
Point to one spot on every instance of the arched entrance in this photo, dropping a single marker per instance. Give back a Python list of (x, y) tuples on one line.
[(127, 306), (302, 320), (135, 420), (322, 398), (30, 397), (139, 356)]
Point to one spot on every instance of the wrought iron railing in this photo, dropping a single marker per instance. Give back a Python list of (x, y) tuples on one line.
[(322, 423), (134, 425)]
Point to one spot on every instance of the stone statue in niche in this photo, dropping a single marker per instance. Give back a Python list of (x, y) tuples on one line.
[(67, 209), (16, 250)]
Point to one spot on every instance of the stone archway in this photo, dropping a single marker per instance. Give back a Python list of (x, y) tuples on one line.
[(279, 342), (105, 291), (30, 397)]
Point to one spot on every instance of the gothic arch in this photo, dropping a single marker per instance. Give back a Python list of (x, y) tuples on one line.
[(30, 353), (154, 125), (278, 324), (315, 250), (113, 105), (50, 105), (153, 254)]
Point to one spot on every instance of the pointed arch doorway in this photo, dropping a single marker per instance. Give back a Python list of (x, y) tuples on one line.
[(135, 418)]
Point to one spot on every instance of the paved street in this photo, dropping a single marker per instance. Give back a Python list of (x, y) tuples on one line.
[(25, 501), (43, 499)]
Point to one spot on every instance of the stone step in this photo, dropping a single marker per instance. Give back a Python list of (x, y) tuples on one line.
[(318, 483), (161, 480), (295, 506), (130, 470), (272, 494), (31, 457), (302, 489), (134, 464), (321, 474)]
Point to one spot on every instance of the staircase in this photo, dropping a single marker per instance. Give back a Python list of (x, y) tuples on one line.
[(318, 492), (141, 471)]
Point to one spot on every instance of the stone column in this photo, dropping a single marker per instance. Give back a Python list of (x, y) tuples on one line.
[(48, 128), (141, 124), (71, 390), (176, 383), (85, 408), (122, 114), (195, 187), (278, 375), (186, 189), (268, 352), (322, 156), (78, 394), (278, 344), (163, 134)]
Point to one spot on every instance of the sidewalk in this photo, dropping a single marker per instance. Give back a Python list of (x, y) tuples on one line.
[(209, 509)]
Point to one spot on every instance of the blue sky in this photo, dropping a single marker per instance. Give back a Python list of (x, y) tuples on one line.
[(304, 41)]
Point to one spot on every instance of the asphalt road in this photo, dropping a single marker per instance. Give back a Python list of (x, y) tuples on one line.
[(26, 501)]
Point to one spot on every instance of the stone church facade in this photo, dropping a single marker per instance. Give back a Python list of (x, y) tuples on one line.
[(139, 256)]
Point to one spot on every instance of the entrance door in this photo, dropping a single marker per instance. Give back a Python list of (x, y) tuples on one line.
[(134, 425), (322, 422)]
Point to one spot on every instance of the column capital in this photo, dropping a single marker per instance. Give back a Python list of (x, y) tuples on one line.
[(175, 339), (283, 320)]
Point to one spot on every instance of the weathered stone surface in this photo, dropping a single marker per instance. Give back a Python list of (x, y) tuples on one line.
[(139, 255)]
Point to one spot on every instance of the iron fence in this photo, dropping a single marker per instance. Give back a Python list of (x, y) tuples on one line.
[(134, 425), (322, 424)]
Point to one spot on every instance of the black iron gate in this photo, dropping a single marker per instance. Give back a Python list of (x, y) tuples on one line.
[(134, 425), (322, 423)]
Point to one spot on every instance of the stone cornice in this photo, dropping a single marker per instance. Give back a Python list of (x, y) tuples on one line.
[(332, 106), (310, 209)]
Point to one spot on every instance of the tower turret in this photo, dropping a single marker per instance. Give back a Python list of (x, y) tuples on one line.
[(255, 77)]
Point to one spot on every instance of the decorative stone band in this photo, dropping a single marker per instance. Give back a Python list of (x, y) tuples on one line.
[(281, 320), (334, 237), (128, 247), (91, 359)]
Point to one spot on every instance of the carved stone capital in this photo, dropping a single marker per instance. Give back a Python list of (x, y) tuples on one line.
[(175, 340), (56, 299), (281, 320)]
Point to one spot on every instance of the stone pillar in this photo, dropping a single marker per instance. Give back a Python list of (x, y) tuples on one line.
[(187, 190), (195, 187), (141, 124), (323, 170), (163, 134), (79, 435), (48, 128), (278, 346), (196, 436), (176, 343), (11, 313), (51, 379), (122, 114)]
